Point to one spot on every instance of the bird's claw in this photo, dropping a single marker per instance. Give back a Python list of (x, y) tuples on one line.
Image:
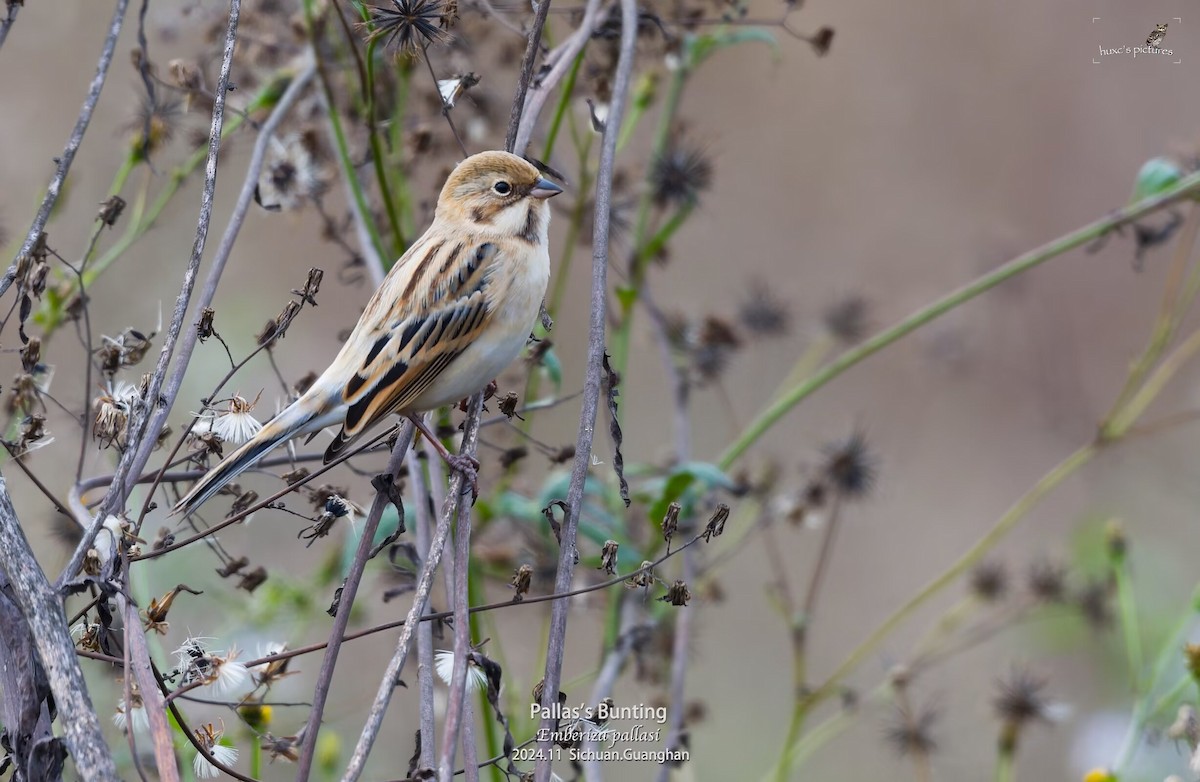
[(468, 467)]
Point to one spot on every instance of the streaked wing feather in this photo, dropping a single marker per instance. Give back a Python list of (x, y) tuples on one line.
[(446, 307)]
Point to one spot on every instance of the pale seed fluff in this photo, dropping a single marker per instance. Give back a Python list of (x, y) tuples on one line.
[(210, 738), (228, 676), (235, 424), (443, 662), (135, 717)]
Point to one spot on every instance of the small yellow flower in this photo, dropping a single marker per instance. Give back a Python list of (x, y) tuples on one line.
[(1099, 775)]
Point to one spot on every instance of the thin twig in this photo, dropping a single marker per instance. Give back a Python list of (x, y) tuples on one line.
[(593, 377), (43, 610), (349, 590), (424, 528), (562, 57), (518, 105), (441, 99), (7, 23), (457, 705), (433, 558), (134, 458), (68, 156)]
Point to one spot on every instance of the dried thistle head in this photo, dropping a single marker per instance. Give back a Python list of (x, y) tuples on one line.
[(847, 320), (763, 313), (850, 467), (153, 127), (409, 24), (679, 176), (911, 732), (989, 581), (1047, 581)]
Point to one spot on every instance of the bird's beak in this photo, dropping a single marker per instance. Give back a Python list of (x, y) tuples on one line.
[(544, 188)]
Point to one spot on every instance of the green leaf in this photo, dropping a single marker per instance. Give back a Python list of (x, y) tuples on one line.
[(1156, 176), (627, 296), (674, 488), (698, 48), (552, 367)]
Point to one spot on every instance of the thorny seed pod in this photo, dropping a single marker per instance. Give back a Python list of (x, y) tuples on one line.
[(521, 581), (110, 210), (608, 557), (911, 733), (670, 522), (677, 595), (644, 578), (716, 524), (31, 354), (204, 326)]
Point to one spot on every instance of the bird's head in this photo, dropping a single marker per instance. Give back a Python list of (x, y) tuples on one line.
[(500, 192)]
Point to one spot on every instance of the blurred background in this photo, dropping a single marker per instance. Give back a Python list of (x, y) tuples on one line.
[(934, 142)]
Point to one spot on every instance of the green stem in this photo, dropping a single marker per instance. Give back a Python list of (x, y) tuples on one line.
[(776, 410), (1005, 767), (620, 345), (1127, 610), (475, 596), (560, 111), (385, 189)]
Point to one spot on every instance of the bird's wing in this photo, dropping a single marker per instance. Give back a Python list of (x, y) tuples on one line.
[(430, 310)]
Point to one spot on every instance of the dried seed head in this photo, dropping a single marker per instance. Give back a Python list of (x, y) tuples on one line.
[(644, 578), (1048, 581), (989, 581), (410, 24), (821, 41), (850, 467), (1115, 541), (679, 176), (153, 127), (677, 594), (276, 328), (521, 581), (847, 320), (511, 456), (763, 313), (1094, 603), (312, 286), (1191, 658), (608, 557), (912, 733), (254, 579), (1019, 698)]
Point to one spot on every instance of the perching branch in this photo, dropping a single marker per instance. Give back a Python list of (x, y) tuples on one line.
[(43, 611), (349, 592), (593, 377)]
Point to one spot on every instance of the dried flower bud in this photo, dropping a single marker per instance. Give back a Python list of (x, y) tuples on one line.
[(1115, 541), (311, 286), (677, 595), (110, 210), (295, 476), (37, 280), (643, 578), (716, 524), (31, 354), (513, 455), (521, 581), (254, 579), (233, 567), (670, 522), (608, 557), (508, 405), (563, 454), (204, 326)]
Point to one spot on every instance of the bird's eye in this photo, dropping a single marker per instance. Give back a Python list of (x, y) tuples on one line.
[(503, 188)]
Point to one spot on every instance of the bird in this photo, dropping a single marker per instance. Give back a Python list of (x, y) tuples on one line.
[(451, 315), (1156, 36)]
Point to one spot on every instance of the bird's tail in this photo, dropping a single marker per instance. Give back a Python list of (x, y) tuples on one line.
[(293, 420)]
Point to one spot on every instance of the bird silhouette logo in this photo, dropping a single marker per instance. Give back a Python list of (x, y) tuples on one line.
[(1156, 36)]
